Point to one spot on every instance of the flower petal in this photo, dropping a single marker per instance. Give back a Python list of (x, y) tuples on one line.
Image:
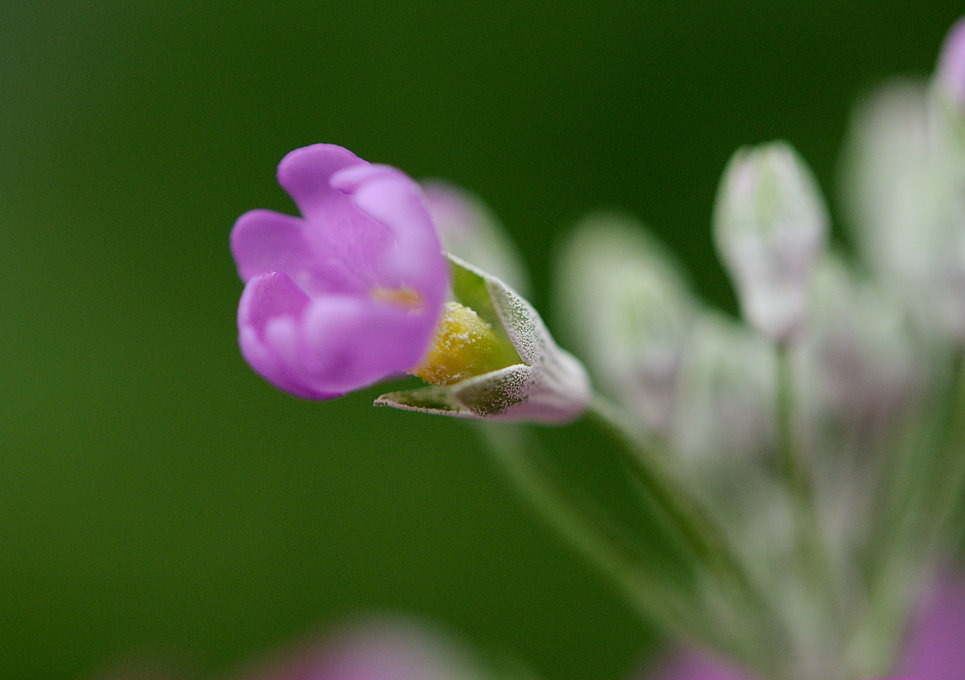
[(396, 202), (344, 244), (351, 293), (305, 173), (349, 342), (264, 241), (935, 649), (689, 665), (268, 317)]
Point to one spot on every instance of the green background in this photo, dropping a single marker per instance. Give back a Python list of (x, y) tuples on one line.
[(154, 493)]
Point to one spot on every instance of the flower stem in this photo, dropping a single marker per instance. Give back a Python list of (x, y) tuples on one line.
[(695, 531), (813, 561), (797, 477), (792, 464), (620, 559), (926, 486), (949, 471)]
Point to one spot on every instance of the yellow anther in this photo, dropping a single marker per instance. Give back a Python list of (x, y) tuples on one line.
[(465, 345)]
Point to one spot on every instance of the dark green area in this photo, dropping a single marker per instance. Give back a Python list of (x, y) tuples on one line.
[(154, 493)]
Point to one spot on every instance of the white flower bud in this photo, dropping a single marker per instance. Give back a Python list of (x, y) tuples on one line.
[(630, 312), (907, 196), (770, 225)]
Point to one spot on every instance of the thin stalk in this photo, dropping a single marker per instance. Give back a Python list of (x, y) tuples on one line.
[(694, 529), (795, 471), (815, 565), (599, 542), (930, 479), (949, 473), (928, 482), (685, 520)]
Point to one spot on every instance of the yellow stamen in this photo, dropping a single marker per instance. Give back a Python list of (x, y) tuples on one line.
[(464, 346)]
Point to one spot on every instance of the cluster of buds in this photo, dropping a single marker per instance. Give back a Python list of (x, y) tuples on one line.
[(824, 433)]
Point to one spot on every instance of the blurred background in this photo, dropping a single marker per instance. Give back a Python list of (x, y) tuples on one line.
[(158, 497)]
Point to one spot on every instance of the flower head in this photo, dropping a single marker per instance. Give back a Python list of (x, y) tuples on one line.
[(358, 289), (349, 293)]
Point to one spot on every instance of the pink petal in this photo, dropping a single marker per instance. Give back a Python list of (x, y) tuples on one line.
[(268, 322), (264, 241), (396, 203), (351, 293), (349, 343), (690, 665), (935, 648), (304, 173)]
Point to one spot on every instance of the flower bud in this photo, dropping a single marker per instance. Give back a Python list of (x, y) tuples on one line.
[(650, 324), (907, 197), (630, 312), (770, 225)]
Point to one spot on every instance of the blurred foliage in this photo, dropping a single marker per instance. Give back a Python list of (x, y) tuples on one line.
[(154, 493)]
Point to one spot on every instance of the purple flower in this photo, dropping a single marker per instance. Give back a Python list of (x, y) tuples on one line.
[(933, 648), (377, 650), (351, 292), (380, 649)]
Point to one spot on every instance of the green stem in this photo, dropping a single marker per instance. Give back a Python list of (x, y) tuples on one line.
[(949, 472), (930, 475), (816, 567), (698, 533), (927, 483), (617, 557), (795, 472), (694, 530)]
